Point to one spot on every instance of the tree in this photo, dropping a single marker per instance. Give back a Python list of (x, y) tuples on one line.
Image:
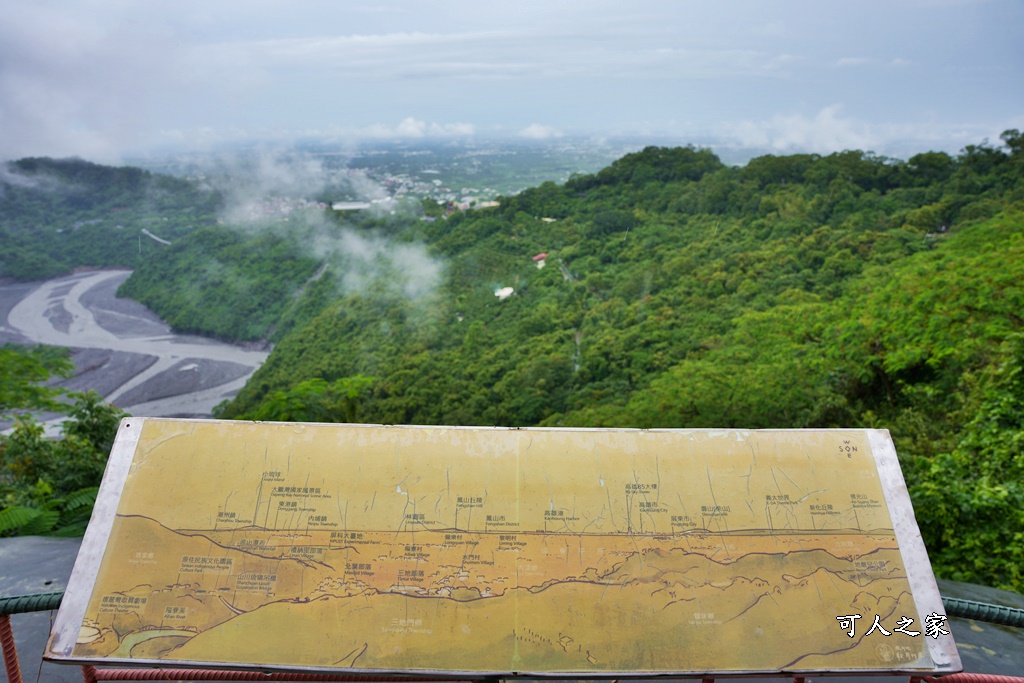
[(314, 400), (1013, 139), (608, 222), (23, 372), (928, 168), (48, 486), (970, 501)]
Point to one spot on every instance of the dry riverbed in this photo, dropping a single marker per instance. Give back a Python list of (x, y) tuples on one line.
[(123, 350)]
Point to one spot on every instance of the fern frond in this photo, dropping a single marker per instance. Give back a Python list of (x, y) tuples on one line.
[(15, 518), (71, 530), (81, 498), (41, 524)]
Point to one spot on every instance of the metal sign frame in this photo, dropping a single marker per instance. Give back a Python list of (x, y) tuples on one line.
[(140, 440)]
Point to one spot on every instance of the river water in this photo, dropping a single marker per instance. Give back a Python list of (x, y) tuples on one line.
[(123, 350)]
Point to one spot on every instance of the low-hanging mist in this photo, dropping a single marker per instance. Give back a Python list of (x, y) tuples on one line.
[(291, 194), (279, 252)]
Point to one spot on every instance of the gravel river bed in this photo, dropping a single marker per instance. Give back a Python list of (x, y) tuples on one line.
[(121, 349)]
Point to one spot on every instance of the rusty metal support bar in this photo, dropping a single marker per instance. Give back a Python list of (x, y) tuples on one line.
[(972, 678), (91, 674), (10, 653)]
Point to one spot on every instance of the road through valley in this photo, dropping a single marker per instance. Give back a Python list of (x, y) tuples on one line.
[(121, 349)]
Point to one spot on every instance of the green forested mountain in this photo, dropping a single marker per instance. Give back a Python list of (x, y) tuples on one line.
[(222, 283), (802, 291), (669, 265), (59, 214), (667, 290)]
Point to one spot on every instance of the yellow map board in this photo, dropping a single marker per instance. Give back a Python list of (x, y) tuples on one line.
[(502, 551)]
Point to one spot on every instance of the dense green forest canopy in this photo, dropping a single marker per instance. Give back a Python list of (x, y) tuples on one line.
[(59, 214), (846, 290), (666, 290)]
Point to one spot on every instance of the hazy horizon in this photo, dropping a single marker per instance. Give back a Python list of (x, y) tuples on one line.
[(108, 80)]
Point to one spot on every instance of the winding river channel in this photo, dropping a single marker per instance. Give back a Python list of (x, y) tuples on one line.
[(123, 350)]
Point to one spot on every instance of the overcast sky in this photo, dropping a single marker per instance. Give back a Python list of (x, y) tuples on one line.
[(106, 78)]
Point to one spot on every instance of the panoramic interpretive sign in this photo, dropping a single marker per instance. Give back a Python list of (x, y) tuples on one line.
[(489, 551)]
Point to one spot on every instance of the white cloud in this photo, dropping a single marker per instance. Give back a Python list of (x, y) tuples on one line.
[(826, 132), (537, 131), (252, 184), (411, 127), (367, 58), (9, 175), (568, 48), (208, 137), (74, 82), (407, 269)]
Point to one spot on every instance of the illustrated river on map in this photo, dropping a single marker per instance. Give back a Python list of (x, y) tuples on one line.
[(492, 550)]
